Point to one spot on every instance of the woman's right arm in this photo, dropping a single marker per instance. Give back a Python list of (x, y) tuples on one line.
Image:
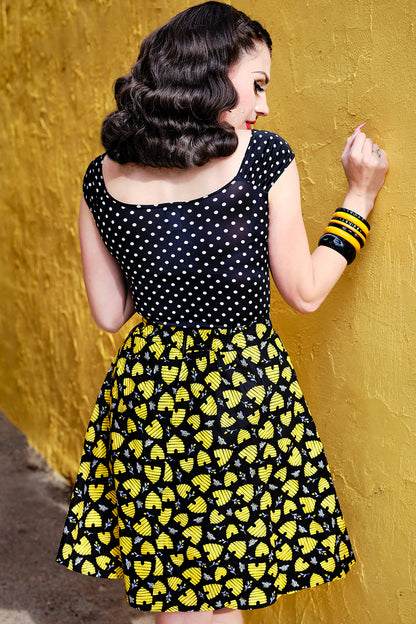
[(108, 295), (304, 280)]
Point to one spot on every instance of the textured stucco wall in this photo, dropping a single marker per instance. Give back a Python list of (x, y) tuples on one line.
[(337, 63)]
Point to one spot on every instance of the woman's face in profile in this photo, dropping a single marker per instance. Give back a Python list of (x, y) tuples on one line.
[(250, 77)]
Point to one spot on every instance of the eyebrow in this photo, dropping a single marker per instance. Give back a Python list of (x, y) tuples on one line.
[(266, 77)]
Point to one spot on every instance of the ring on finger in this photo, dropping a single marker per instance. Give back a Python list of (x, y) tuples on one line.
[(377, 150)]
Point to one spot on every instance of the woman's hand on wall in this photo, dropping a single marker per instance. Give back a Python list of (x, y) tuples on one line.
[(365, 165)]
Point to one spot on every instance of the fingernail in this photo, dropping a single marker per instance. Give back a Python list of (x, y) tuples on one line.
[(359, 127)]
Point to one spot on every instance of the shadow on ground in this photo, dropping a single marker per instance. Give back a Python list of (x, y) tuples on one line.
[(33, 588)]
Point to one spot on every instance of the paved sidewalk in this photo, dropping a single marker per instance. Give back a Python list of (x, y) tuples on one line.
[(33, 588)]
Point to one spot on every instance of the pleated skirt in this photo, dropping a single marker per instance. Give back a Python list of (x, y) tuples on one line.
[(203, 482)]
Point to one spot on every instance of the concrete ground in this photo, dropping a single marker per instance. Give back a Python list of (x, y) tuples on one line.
[(33, 588)]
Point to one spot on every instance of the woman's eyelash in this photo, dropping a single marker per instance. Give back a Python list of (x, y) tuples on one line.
[(257, 87)]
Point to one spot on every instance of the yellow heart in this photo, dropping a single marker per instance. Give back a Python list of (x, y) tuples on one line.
[(95, 491), (177, 559), (142, 569), (187, 464)]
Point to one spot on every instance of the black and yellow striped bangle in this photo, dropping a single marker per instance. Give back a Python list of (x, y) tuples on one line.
[(345, 235), (356, 215), (350, 225), (355, 218), (347, 228)]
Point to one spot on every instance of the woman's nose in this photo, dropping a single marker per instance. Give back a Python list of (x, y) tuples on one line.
[(262, 107)]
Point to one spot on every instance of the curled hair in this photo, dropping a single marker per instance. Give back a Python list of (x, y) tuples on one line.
[(169, 105)]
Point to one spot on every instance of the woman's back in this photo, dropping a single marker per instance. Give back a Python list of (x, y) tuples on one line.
[(198, 262), (135, 184)]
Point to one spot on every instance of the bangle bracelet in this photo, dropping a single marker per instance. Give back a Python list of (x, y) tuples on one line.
[(351, 225), (357, 216), (343, 215), (340, 245), (344, 235), (360, 239)]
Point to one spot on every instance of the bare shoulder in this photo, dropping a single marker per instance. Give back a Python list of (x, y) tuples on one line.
[(113, 170)]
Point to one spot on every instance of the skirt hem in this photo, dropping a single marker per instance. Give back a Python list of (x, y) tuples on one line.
[(240, 607)]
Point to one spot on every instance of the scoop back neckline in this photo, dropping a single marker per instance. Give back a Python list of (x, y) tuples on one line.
[(183, 202)]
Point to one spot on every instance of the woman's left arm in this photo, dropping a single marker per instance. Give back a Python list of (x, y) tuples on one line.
[(304, 280), (108, 295)]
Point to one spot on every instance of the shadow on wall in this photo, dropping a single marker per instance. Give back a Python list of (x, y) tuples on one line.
[(33, 588)]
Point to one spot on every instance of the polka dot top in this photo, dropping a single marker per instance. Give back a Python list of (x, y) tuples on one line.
[(198, 263)]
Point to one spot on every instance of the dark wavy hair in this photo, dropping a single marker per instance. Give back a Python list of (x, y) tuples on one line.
[(169, 105)]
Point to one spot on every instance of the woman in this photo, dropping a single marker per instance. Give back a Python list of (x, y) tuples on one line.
[(203, 481)]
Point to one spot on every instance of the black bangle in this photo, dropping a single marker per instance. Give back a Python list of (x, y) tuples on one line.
[(350, 232), (340, 245), (356, 215), (351, 224)]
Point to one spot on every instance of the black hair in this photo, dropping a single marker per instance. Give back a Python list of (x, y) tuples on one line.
[(169, 105)]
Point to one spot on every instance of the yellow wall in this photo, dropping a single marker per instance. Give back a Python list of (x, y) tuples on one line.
[(337, 63)]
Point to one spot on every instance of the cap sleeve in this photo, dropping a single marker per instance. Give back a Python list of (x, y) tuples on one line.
[(268, 155), (93, 183)]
